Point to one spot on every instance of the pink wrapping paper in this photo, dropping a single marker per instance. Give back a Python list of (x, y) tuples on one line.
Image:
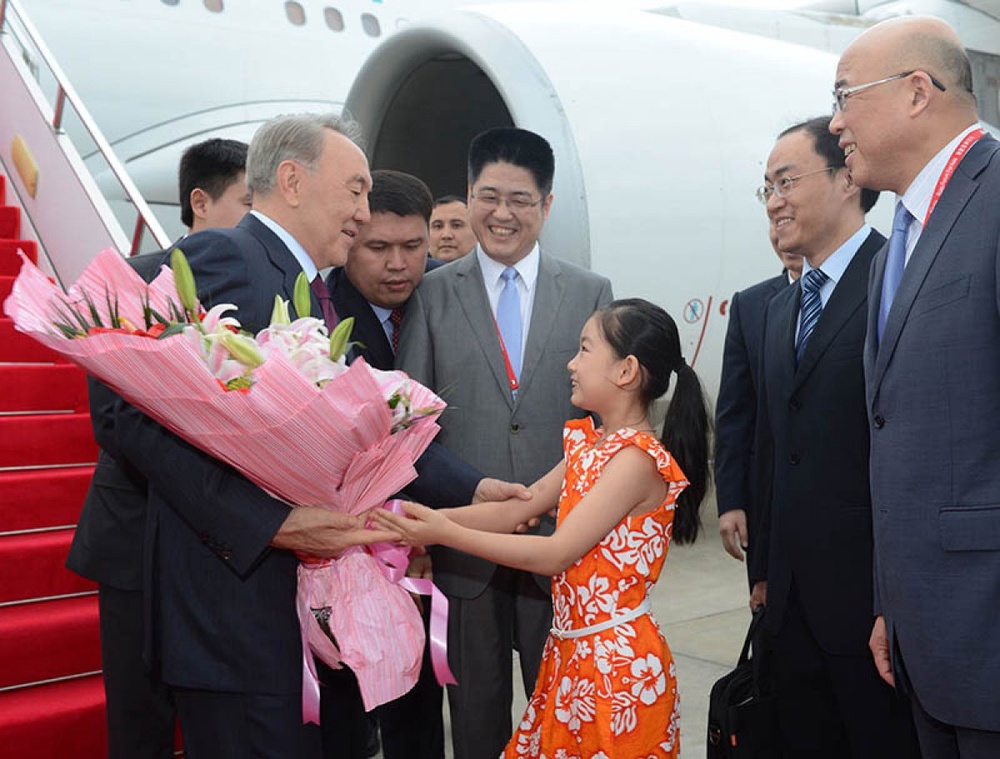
[(269, 434)]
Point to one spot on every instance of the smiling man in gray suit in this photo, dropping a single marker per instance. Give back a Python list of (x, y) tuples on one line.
[(907, 120), (468, 327)]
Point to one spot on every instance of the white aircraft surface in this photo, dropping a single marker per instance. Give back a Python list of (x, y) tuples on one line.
[(661, 114)]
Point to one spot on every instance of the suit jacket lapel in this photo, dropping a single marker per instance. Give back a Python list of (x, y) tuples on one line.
[(848, 296), (470, 290), (279, 255), (874, 304), (782, 317), (549, 292), (367, 327), (960, 189)]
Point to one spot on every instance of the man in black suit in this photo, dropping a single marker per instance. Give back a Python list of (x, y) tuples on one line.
[(738, 493), (107, 545), (384, 266), (813, 564)]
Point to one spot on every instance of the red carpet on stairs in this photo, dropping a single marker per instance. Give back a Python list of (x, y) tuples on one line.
[(51, 700)]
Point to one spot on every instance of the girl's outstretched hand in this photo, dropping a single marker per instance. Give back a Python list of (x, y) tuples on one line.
[(421, 525)]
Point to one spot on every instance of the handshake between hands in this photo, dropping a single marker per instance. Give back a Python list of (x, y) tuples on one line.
[(325, 534)]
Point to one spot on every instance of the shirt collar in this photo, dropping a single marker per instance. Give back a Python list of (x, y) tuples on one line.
[(835, 266), (917, 197), (382, 313), (307, 264), (527, 267)]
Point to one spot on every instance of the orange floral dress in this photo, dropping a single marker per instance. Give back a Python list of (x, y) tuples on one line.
[(611, 694)]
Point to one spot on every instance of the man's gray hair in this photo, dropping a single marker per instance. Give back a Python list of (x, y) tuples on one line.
[(296, 138)]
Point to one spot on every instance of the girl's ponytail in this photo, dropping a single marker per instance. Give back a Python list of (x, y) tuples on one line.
[(685, 434)]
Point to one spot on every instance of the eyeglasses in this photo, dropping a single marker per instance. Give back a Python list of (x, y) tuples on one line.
[(840, 94), (784, 186), (518, 201)]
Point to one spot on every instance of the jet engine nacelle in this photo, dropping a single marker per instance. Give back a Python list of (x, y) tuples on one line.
[(660, 127)]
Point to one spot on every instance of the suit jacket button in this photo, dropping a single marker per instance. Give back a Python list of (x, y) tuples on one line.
[(794, 404), (793, 459), (515, 428), (879, 422)]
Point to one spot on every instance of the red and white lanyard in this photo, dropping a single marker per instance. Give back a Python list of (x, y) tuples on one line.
[(963, 147), (511, 377)]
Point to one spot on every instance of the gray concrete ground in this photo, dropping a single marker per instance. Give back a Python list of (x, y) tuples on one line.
[(701, 605)]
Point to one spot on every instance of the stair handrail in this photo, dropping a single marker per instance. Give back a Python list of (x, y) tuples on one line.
[(67, 95)]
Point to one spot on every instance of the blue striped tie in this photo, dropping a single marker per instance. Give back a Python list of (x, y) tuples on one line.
[(812, 308), (509, 318), (895, 262)]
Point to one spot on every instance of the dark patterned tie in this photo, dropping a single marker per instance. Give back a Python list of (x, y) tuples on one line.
[(396, 320), (322, 293), (812, 308)]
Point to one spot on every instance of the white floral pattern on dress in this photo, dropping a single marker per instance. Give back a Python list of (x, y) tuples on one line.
[(612, 694)]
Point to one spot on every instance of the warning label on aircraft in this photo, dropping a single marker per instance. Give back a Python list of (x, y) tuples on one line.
[(694, 310)]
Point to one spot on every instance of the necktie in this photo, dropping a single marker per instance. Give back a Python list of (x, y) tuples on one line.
[(509, 318), (895, 262), (812, 308), (396, 320), (322, 293)]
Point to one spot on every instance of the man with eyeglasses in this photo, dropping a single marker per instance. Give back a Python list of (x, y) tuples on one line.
[(812, 563), (493, 331), (907, 121)]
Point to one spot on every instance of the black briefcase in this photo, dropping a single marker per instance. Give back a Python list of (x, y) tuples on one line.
[(742, 722)]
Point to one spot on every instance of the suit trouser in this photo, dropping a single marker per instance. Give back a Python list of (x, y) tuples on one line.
[(832, 706), (219, 725), (140, 708), (941, 741), (413, 725), (512, 612), (344, 723)]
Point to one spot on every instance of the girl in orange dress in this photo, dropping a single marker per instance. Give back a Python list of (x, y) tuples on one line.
[(606, 688)]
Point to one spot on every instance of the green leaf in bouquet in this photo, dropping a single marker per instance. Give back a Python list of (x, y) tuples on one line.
[(95, 315), (112, 304), (301, 297), (340, 337), (184, 281), (172, 329)]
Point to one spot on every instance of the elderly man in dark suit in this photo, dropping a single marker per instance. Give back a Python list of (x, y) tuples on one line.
[(467, 328), (221, 566), (813, 565), (906, 118), (737, 490), (108, 543)]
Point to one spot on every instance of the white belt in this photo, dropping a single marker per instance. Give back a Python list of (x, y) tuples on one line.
[(616, 620)]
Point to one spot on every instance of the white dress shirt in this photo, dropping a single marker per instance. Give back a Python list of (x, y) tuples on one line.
[(527, 269)]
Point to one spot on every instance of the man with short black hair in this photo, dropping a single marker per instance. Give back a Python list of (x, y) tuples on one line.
[(812, 563), (108, 542), (494, 331), (384, 266), (451, 233), (212, 184)]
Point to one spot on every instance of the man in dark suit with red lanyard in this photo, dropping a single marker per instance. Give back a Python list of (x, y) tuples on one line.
[(906, 117), (813, 564)]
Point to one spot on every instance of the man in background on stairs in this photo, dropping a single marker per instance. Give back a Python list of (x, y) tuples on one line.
[(107, 546)]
